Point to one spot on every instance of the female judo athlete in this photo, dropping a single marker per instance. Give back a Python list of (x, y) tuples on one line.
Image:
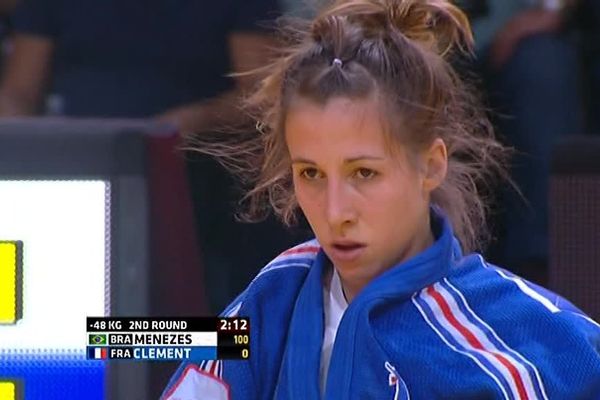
[(368, 131)]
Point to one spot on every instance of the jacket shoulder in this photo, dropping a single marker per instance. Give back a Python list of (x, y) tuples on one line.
[(508, 322), (482, 279), (294, 263), (267, 301)]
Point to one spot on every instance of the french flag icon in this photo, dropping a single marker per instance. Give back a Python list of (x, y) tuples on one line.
[(97, 353)]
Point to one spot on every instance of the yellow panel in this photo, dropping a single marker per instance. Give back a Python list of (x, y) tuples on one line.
[(10, 283), (8, 391)]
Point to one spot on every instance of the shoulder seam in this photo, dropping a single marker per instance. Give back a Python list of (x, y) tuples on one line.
[(300, 256), (524, 288)]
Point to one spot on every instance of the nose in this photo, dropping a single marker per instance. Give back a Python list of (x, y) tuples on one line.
[(340, 211)]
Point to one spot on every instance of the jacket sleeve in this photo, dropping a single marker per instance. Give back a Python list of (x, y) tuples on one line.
[(560, 342), (536, 344), (585, 362)]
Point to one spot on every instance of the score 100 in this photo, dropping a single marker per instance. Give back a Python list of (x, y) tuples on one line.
[(11, 302)]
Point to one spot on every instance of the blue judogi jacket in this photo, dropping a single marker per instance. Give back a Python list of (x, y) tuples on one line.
[(438, 326)]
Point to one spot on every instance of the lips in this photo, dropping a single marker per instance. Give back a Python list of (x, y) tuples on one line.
[(346, 251)]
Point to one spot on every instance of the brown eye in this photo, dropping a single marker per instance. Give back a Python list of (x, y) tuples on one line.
[(310, 174), (365, 173)]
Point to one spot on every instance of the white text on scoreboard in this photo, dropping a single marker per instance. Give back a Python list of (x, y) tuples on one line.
[(153, 339), (153, 353), (167, 339)]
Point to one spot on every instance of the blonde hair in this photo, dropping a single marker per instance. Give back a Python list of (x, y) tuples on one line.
[(399, 50)]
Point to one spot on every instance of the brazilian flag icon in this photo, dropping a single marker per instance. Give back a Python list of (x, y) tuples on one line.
[(97, 340)]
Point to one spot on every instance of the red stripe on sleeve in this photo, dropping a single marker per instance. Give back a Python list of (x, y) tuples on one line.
[(473, 341)]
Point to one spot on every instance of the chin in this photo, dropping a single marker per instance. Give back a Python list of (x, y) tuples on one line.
[(359, 269)]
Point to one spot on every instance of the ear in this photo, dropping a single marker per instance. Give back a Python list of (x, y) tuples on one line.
[(436, 165)]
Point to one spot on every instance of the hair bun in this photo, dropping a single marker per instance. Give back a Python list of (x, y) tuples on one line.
[(437, 24)]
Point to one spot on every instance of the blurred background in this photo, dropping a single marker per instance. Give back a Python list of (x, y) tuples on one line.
[(108, 214)]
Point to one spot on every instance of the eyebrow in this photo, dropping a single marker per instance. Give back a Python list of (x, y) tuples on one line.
[(302, 160)]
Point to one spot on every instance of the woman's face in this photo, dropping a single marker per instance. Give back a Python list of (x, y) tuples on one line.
[(368, 207)]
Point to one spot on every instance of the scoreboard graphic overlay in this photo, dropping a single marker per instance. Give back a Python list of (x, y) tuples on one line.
[(168, 339), (54, 271)]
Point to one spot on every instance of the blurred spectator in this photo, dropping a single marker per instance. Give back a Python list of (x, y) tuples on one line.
[(6, 9), (532, 68), (144, 58), (7, 6), (132, 58)]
